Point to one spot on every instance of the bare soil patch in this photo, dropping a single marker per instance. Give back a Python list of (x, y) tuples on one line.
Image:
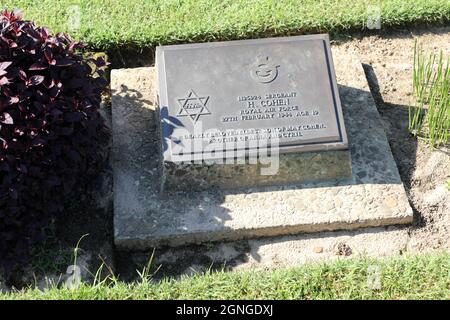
[(388, 62)]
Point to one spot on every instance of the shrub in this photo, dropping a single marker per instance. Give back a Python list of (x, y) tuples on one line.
[(49, 129)]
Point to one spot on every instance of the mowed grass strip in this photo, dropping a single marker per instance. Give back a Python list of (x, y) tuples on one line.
[(111, 24), (408, 277)]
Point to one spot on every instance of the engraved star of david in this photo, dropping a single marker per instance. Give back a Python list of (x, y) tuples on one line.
[(193, 111)]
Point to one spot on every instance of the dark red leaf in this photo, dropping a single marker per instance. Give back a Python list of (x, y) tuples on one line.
[(73, 117), (63, 62), (13, 193), (66, 131), (35, 80), (56, 112), (4, 81), (13, 100), (6, 118), (76, 83), (22, 75), (37, 142), (44, 33), (5, 64), (38, 66), (74, 155), (53, 181), (4, 166)]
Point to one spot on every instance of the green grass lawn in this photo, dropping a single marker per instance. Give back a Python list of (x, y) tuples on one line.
[(410, 277), (109, 24)]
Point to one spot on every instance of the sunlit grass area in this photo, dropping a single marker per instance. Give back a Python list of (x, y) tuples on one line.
[(107, 24), (410, 277)]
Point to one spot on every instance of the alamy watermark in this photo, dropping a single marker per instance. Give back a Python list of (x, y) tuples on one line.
[(73, 22), (73, 279), (231, 146), (374, 277), (373, 17)]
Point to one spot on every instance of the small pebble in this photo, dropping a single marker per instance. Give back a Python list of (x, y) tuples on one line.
[(318, 249)]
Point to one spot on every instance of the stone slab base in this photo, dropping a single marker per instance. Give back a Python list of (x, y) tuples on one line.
[(144, 218), (290, 168)]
